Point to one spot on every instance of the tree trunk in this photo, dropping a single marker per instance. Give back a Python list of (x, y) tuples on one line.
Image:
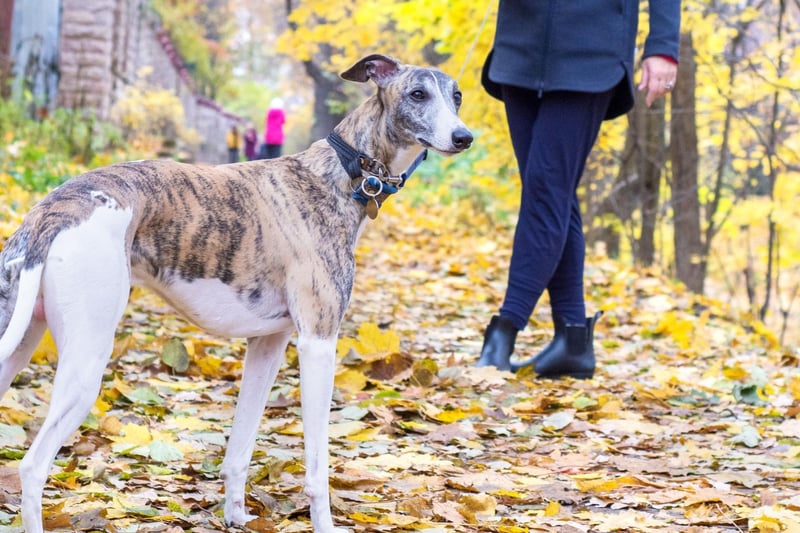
[(637, 185), (651, 162), (327, 88), (690, 263), (772, 176)]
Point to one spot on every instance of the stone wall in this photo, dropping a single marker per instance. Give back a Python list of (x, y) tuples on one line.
[(86, 47), (105, 44)]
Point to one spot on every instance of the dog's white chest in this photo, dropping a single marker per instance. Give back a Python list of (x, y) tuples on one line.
[(222, 310)]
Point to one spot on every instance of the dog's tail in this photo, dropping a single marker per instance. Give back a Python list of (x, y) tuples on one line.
[(27, 291)]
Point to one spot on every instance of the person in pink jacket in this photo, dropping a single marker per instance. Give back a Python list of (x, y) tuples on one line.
[(273, 129)]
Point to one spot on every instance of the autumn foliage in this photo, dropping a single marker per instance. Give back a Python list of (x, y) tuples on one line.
[(690, 424)]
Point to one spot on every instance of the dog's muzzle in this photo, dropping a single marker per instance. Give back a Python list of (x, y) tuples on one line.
[(462, 138)]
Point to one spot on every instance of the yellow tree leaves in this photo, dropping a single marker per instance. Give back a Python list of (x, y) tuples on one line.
[(447, 34), (150, 116)]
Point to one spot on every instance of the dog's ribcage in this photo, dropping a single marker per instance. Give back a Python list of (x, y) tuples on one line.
[(239, 250)]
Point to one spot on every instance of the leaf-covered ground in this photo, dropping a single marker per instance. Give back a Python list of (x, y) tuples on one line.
[(690, 424)]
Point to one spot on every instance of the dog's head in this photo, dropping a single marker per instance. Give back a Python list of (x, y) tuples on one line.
[(422, 103)]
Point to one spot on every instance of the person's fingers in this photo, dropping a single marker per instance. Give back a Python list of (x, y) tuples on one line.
[(645, 76), (658, 78)]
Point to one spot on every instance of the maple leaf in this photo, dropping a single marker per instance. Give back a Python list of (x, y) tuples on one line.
[(372, 344)]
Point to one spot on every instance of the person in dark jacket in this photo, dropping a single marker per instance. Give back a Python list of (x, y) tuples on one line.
[(561, 68)]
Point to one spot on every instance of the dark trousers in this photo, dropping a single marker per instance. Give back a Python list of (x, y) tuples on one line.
[(552, 136), (271, 151)]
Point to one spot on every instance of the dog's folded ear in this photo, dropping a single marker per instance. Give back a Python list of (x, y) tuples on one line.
[(375, 67)]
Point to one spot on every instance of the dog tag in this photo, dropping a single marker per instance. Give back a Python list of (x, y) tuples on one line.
[(372, 208)]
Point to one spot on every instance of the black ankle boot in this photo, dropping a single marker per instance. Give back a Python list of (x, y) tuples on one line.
[(555, 346), (570, 353), (498, 343)]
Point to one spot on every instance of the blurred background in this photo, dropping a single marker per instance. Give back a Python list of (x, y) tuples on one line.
[(702, 187)]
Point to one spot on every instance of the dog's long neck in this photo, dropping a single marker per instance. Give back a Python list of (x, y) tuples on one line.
[(369, 129)]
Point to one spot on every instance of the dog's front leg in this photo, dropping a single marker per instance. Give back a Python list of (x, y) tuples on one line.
[(317, 367), (261, 364)]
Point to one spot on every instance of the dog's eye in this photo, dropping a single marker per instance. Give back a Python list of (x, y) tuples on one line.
[(457, 98), (418, 95)]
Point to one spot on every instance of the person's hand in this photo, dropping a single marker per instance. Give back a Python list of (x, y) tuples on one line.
[(658, 77)]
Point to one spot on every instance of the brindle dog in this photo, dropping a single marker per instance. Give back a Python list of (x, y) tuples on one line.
[(256, 250)]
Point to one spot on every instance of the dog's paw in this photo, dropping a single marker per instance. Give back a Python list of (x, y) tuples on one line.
[(235, 514)]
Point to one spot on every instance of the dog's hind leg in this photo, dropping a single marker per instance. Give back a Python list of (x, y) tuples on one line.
[(22, 355), (262, 362), (85, 288), (317, 368)]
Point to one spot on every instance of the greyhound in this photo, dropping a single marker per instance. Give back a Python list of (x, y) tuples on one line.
[(257, 250)]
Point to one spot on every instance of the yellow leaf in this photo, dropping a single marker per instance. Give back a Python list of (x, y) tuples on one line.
[(762, 331), (413, 425), (345, 345), (505, 493), (373, 340), (681, 330), (343, 429), (123, 345), (45, 352), (735, 372), (134, 434), (483, 504), (101, 407), (764, 524), (597, 485), (295, 428), (13, 416), (794, 386), (177, 385), (372, 344), (767, 519), (512, 529), (190, 347), (365, 435), (454, 415), (350, 380), (364, 518), (209, 365), (552, 509), (121, 387), (450, 415)]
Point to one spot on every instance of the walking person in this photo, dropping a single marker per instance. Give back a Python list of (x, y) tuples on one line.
[(250, 142), (232, 141), (273, 130), (561, 68)]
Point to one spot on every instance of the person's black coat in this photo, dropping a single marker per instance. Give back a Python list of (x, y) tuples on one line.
[(576, 45)]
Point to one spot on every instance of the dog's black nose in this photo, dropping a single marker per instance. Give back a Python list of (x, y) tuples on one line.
[(462, 138)]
